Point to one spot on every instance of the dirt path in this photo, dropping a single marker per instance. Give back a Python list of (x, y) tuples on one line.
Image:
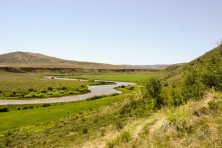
[(95, 91)]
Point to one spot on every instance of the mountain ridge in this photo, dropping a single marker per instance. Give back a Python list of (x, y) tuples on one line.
[(29, 59)]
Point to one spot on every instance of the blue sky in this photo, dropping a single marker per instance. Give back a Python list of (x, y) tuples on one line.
[(112, 31)]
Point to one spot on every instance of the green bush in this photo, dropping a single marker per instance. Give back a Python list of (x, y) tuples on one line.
[(44, 91), (46, 105), (50, 88), (27, 107), (30, 95), (125, 137), (192, 86), (32, 90), (4, 109), (13, 93), (131, 88), (154, 89), (64, 88), (84, 131)]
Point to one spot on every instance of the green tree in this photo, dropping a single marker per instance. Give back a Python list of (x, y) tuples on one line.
[(154, 88)]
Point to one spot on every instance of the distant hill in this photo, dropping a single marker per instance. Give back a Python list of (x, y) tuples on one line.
[(27, 59)]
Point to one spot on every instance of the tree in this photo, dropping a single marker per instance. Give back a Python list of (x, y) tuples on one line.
[(154, 89)]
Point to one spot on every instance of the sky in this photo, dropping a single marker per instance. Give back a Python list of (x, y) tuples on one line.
[(136, 32)]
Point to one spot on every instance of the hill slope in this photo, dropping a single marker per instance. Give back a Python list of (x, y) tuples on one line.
[(190, 99), (27, 59), (191, 80)]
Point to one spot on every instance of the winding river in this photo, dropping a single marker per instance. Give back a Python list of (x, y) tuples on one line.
[(97, 90)]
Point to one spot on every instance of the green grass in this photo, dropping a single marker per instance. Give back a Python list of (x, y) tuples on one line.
[(34, 85), (140, 78), (22, 118)]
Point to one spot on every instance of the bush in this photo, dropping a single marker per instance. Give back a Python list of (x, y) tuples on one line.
[(4, 109), (27, 107), (122, 86), (131, 88), (50, 88), (0, 91), (32, 89), (73, 92), (13, 93), (64, 88), (111, 143), (125, 137), (46, 105), (84, 131), (30, 95), (44, 91), (154, 89), (192, 86)]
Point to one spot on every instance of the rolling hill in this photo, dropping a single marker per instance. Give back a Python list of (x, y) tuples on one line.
[(27, 59)]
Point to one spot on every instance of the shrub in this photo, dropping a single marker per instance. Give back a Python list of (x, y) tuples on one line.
[(0, 91), (73, 92), (30, 95), (4, 109), (154, 89), (50, 88), (84, 131), (192, 86), (111, 143), (64, 88), (125, 137), (55, 94), (122, 86), (13, 93), (27, 107), (31, 89), (46, 105), (131, 88), (44, 91)]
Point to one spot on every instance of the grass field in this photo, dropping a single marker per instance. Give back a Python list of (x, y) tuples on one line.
[(26, 117), (84, 116), (34, 85), (140, 78)]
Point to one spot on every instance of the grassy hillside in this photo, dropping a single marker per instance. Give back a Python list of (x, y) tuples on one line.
[(27, 59), (191, 80), (181, 109)]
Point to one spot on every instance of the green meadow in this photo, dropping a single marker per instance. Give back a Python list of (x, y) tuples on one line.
[(27, 116), (34, 85), (20, 116), (140, 78)]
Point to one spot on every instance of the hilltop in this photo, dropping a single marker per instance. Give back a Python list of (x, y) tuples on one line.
[(28, 59)]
